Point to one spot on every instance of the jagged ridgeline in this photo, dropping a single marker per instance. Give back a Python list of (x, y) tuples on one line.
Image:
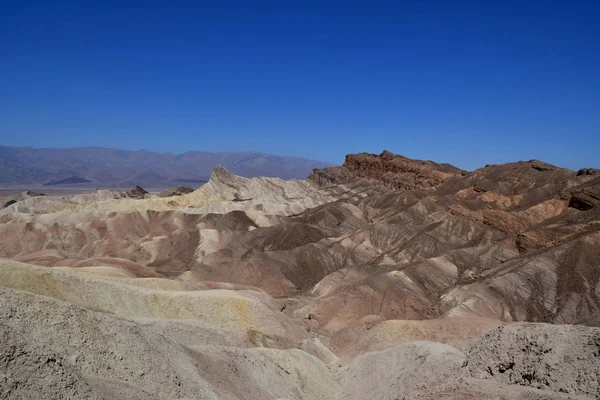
[(384, 277)]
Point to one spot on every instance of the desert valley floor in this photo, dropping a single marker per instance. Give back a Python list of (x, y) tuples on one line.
[(383, 278)]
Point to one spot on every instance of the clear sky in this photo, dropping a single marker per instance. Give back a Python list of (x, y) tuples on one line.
[(469, 83)]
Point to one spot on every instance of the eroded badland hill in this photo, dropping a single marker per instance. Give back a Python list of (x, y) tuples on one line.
[(383, 278)]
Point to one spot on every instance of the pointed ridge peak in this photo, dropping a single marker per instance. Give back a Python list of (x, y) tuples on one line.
[(137, 193), (221, 173)]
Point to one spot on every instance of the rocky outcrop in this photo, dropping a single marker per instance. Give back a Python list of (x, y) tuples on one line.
[(391, 170), (541, 166), (588, 172), (176, 191), (9, 201), (584, 201), (136, 193), (564, 359), (8, 204), (586, 198)]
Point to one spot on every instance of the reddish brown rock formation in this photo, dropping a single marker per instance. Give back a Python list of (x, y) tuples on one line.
[(393, 171)]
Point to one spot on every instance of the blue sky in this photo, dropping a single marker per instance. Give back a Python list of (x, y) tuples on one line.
[(470, 83)]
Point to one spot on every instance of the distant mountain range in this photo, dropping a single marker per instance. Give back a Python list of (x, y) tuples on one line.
[(105, 167)]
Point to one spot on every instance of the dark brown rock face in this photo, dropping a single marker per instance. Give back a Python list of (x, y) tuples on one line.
[(586, 199), (399, 172), (391, 170), (136, 193), (582, 201), (588, 171)]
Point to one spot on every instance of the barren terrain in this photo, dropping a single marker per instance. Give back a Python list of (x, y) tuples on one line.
[(383, 278)]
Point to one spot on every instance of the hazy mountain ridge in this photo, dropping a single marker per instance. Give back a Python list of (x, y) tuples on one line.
[(113, 167)]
